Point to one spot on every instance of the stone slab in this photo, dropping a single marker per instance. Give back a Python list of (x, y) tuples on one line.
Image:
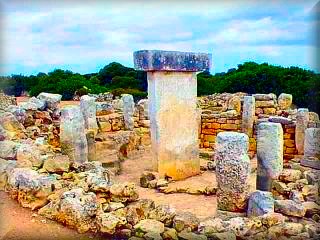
[(156, 60)]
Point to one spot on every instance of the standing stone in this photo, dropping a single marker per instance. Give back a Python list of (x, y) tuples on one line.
[(312, 142), (269, 154), (72, 134), (248, 114), (92, 151), (301, 126), (172, 95), (232, 170), (88, 109), (284, 101), (128, 109)]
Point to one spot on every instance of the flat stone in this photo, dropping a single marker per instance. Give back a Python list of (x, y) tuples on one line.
[(150, 225), (279, 119), (157, 60), (289, 207), (311, 163)]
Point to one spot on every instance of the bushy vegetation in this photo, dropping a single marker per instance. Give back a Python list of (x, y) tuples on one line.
[(249, 77)]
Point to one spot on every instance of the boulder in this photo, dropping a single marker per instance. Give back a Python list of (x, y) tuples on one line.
[(14, 129), (284, 101), (210, 226), (124, 192), (185, 220), (108, 222), (74, 208), (290, 175), (51, 100), (289, 207), (149, 225), (8, 149), (57, 164), (5, 168), (163, 213), (29, 155), (260, 203), (280, 119), (34, 104)]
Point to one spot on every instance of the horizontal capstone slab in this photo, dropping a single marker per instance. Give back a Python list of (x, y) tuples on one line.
[(156, 60)]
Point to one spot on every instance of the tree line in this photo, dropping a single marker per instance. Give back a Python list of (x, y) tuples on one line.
[(249, 77)]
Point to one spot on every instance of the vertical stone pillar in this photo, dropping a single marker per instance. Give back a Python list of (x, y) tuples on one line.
[(312, 143), (172, 95), (88, 109), (128, 109), (301, 126), (73, 134), (232, 171), (269, 154), (90, 135), (248, 113)]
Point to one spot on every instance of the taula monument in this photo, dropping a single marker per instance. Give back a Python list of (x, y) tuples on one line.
[(172, 93)]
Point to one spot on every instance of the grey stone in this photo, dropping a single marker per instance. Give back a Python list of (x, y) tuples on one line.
[(269, 154), (289, 207), (52, 100), (232, 171), (284, 101), (72, 134), (248, 114), (8, 149), (260, 203), (279, 119), (302, 120), (155, 60), (312, 142), (128, 109), (88, 110)]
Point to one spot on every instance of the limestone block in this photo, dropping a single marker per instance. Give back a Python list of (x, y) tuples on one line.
[(88, 110), (72, 134), (260, 203), (264, 97), (284, 101), (8, 149), (235, 104), (248, 114), (232, 170), (174, 123), (301, 126), (52, 100), (128, 110), (265, 104), (103, 108), (143, 107), (312, 142), (269, 154)]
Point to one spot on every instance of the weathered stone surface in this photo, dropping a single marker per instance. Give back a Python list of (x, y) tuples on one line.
[(72, 134), (18, 112), (301, 125), (5, 168), (290, 175), (29, 188), (248, 114), (289, 207), (279, 119), (312, 142), (311, 163), (103, 108), (108, 222), (57, 164), (154, 60), (172, 99), (233, 171), (88, 109), (185, 220), (29, 156), (34, 104), (186, 235), (284, 101), (224, 236), (74, 208), (52, 100), (163, 213), (128, 109), (260, 203), (264, 97), (13, 128), (8, 149), (149, 225), (124, 192), (287, 229), (269, 154), (210, 226)]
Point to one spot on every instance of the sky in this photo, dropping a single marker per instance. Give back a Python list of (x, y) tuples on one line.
[(84, 36)]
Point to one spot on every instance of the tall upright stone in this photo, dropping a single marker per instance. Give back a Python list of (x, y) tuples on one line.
[(312, 143), (248, 113), (301, 126), (88, 109), (73, 134), (128, 110), (172, 94), (269, 154), (232, 171)]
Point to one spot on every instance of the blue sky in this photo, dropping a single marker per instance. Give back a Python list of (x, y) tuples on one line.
[(84, 36)]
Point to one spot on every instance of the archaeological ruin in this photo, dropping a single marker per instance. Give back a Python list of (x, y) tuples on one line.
[(172, 166)]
